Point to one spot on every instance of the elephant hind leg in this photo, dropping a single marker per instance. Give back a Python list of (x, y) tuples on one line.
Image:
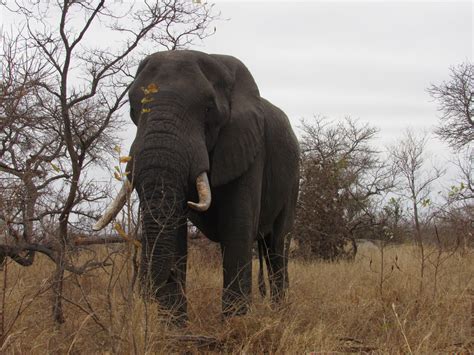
[(276, 258), (261, 255)]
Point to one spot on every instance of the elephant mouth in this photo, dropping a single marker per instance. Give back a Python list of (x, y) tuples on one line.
[(202, 187)]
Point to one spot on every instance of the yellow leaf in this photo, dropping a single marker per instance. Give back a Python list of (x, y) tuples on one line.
[(124, 235), (145, 110), (117, 149), (117, 176), (125, 159), (120, 231), (55, 167), (117, 168), (146, 100), (152, 88)]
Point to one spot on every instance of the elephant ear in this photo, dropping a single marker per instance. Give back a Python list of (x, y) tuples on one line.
[(241, 139)]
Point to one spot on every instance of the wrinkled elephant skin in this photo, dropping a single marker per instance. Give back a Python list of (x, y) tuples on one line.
[(205, 134)]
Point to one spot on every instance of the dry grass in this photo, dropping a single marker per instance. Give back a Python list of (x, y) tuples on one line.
[(343, 306)]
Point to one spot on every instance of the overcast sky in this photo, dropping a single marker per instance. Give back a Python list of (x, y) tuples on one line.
[(370, 60)]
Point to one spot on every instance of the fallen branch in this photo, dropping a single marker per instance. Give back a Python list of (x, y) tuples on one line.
[(352, 345), (197, 340), (15, 253), (83, 241)]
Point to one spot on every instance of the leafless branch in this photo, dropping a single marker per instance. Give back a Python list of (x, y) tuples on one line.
[(455, 99)]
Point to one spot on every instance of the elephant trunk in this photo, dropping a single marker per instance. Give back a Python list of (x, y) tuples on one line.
[(162, 205), (169, 157)]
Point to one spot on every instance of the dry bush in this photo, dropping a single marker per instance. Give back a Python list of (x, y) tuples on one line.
[(343, 179), (331, 307)]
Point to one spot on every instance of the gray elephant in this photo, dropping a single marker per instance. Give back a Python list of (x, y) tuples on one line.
[(204, 130)]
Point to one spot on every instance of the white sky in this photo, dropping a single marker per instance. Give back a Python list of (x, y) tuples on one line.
[(371, 60)]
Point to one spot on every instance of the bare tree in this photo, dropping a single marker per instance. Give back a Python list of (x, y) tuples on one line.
[(60, 111), (409, 157), (341, 176), (463, 190), (455, 215), (29, 141), (455, 100)]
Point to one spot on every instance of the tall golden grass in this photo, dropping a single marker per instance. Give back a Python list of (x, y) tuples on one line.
[(331, 307)]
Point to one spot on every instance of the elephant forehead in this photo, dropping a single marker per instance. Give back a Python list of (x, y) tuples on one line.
[(169, 70), (184, 55), (178, 77), (189, 73), (174, 62), (188, 63)]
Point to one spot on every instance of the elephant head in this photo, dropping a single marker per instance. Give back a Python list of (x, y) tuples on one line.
[(197, 116)]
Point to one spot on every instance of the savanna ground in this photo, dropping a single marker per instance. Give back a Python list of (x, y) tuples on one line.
[(332, 307)]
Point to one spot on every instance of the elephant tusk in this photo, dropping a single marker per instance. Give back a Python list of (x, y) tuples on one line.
[(115, 207), (204, 192)]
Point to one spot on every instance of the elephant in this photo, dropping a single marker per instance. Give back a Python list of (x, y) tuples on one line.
[(205, 134)]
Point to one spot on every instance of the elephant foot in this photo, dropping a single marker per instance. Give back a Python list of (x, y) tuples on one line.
[(175, 315), (234, 304), (175, 307), (179, 321), (172, 302), (234, 311)]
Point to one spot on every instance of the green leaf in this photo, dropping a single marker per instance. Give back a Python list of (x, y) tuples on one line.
[(56, 168)]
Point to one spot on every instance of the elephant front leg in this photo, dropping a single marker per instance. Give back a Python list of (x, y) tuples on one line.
[(238, 215), (177, 281), (169, 292), (237, 263)]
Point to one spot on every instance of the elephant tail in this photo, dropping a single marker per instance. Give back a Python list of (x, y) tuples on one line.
[(261, 280)]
